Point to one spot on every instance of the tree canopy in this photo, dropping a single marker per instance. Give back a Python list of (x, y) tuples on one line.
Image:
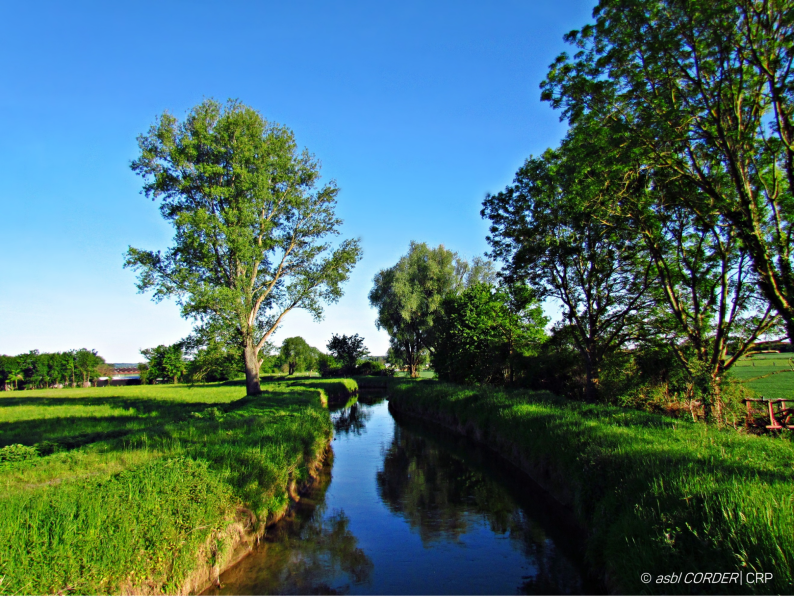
[(251, 219), (296, 353), (347, 349), (408, 296), (482, 334), (703, 93)]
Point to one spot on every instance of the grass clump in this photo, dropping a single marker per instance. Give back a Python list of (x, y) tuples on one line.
[(659, 495), (136, 489)]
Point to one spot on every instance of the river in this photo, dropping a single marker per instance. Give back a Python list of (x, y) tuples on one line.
[(403, 508)]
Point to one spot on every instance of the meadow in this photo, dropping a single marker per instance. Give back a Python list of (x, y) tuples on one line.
[(147, 489), (657, 495), (768, 375)]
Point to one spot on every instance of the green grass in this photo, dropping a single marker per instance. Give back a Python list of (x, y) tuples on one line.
[(658, 495), (133, 489), (759, 374), (422, 374)]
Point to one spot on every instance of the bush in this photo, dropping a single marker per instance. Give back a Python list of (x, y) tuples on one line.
[(370, 367)]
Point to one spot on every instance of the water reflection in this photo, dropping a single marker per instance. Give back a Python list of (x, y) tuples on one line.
[(351, 419), (312, 552), (411, 511), (443, 486)]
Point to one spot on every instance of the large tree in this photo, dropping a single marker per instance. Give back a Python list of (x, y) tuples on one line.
[(706, 90), (553, 231), (252, 224), (408, 296)]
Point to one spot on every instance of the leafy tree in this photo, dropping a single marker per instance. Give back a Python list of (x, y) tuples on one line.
[(143, 369), (483, 332), (87, 363), (408, 296), (703, 284), (704, 89), (165, 362), (297, 355), (550, 229), (327, 363), (251, 222), (347, 350), (214, 353), (10, 371)]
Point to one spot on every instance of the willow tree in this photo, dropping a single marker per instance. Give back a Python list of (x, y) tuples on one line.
[(408, 297), (252, 223)]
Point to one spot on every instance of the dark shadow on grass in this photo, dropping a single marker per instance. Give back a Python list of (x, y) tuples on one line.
[(151, 417)]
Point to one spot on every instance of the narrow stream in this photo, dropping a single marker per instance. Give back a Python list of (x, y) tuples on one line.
[(405, 509)]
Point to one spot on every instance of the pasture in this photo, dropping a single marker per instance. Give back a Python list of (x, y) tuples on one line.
[(768, 375), (137, 489)]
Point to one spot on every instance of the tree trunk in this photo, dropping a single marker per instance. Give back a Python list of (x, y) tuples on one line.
[(414, 375), (591, 380), (252, 365)]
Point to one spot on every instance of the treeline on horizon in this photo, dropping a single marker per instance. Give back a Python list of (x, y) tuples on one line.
[(662, 223), (190, 361)]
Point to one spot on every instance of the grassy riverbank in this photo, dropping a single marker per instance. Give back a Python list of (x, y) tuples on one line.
[(659, 495), (146, 489)]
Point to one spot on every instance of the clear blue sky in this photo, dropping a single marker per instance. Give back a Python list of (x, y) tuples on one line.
[(417, 109)]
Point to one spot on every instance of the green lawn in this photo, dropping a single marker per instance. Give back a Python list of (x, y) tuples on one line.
[(659, 495), (422, 374), (760, 373), (135, 489)]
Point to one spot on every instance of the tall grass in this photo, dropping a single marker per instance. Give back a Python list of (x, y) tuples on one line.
[(658, 495), (132, 490)]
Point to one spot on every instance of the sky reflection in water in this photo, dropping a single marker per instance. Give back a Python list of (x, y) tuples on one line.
[(406, 510)]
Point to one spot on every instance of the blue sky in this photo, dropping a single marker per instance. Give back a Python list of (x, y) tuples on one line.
[(417, 109)]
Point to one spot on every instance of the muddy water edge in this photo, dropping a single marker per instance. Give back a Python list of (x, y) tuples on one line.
[(402, 507)]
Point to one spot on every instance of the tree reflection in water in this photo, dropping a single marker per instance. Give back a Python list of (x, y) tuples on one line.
[(473, 527), (310, 553), (435, 485), (353, 417)]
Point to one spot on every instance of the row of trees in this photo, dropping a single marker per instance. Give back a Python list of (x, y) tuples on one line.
[(662, 223), (202, 359), (664, 219), (34, 370)]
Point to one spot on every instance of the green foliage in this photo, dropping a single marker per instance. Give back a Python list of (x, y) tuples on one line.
[(657, 495), (296, 353), (482, 333), (553, 232), (165, 362), (347, 349), (697, 94), (370, 367), (251, 224), (408, 296), (140, 483)]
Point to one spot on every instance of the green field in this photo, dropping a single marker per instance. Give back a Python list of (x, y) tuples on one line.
[(658, 495), (760, 373), (145, 489)]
